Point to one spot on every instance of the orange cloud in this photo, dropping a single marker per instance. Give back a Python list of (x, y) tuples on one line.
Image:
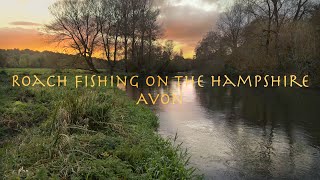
[(22, 38), (187, 25)]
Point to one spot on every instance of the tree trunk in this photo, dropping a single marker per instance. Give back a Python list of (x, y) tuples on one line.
[(150, 48), (115, 53), (126, 53), (298, 14), (277, 31), (91, 65), (111, 69), (141, 59), (270, 16), (133, 34)]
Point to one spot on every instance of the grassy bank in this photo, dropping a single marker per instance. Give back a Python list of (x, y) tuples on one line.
[(68, 133)]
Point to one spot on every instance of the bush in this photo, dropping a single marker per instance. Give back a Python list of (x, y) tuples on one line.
[(3, 73)]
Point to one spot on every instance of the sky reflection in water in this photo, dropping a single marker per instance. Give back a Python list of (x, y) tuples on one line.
[(244, 133)]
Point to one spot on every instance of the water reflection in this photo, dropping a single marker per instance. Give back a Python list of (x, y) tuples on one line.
[(244, 133)]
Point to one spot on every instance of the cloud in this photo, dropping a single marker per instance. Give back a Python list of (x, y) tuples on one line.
[(22, 38), (186, 23), (24, 23)]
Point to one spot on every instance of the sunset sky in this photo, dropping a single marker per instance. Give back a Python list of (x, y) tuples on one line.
[(184, 21)]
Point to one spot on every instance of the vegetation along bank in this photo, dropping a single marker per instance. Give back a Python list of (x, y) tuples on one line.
[(84, 133)]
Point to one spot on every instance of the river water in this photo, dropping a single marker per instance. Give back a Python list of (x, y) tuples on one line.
[(243, 133)]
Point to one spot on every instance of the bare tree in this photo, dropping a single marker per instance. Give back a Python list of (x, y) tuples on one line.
[(210, 46), (232, 23), (154, 30), (143, 30), (274, 13), (168, 53), (283, 27), (75, 24), (110, 21), (92, 26), (134, 4), (301, 9), (148, 31), (125, 31)]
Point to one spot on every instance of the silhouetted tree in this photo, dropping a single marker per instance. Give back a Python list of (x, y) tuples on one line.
[(75, 25)]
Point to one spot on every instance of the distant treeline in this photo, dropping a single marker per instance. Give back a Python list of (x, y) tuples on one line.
[(33, 59), (264, 36), (16, 58)]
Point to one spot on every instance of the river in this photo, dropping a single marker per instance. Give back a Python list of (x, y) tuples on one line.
[(243, 133)]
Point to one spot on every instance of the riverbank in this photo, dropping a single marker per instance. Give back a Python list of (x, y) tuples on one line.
[(83, 133)]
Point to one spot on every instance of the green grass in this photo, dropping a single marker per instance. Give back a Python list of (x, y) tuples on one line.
[(68, 133)]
